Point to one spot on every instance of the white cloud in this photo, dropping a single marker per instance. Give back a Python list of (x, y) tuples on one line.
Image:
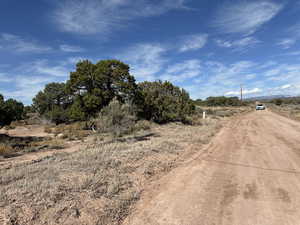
[(286, 43), (28, 79), (272, 72), (294, 53), (70, 48), (286, 86), (5, 78), (295, 30), (43, 67), (26, 87), (146, 60), (245, 92), (245, 17), (18, 44), (284, 72), (268, 64), (182, 71), (240, 44), (218, 78), (250, 76), (102, 16), (193, 42)]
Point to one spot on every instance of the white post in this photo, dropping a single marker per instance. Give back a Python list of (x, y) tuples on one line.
[(204, 115)]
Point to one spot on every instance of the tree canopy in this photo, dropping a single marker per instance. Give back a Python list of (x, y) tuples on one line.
[(53, 102), (91, 87), (164, 102), (10, 110)]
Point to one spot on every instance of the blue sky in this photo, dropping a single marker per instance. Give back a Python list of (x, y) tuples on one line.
[(208, 47)]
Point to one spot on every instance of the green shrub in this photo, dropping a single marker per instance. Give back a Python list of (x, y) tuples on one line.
[(164, 102), (222, 101), (116, 118), (277, 101)]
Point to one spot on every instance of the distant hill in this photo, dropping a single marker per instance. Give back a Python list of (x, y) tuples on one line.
[(270, 97)]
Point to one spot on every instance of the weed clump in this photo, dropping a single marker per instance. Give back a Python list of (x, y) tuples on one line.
[(117, 119), (5, 150)]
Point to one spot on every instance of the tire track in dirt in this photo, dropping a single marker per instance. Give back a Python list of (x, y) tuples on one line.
[(250, 175)]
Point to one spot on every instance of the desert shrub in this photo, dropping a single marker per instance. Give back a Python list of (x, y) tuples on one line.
[(5, 149), (45, 144), (17, 123), (48, 129), (116, 118), (224, 113), (73, 131), (194, 120), (222, 101), (142, 125), (277, 101), (9, 127), (164, 102)]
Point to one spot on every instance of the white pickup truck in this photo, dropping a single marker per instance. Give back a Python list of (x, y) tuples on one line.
[(260, 106)]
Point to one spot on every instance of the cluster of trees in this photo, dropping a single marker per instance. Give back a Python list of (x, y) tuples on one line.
[(290, 101), (93, 86), (10, 110), (219, 101)]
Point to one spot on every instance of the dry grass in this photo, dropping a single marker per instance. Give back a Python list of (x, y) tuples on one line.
[(5, 150), (225, 111), (99, 184), (52, 143), (12, 146), (288, 110), (75, 131)]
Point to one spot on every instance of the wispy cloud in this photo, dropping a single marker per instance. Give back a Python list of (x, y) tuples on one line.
[(218, 78), (293, 53), (193, 42), (182, 71), (295, 30), (240, 44), (246, 92), (26, 87), (146, 60), (45, 68), (100, 16), (4, 78), (245, 17), (286, 43), (70, 48), (29, 78), (21, 45)]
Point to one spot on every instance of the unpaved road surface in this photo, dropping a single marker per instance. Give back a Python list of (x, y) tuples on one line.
[(248, 175)]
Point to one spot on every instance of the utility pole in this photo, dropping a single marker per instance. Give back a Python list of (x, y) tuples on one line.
[(241, 92)]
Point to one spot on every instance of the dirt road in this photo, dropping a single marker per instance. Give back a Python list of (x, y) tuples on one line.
[(248, 175)]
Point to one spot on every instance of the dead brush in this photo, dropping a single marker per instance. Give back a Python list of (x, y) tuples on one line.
[(142, 125), (48, 129), (47, 144), (102, 181), (75, 131), (5, 150), (117, 119)]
